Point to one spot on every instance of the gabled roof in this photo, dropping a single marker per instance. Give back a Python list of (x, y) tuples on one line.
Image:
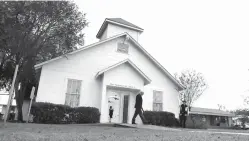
[(37, 66), (146, 78), (206, 111), (109, 39), (117, 21)]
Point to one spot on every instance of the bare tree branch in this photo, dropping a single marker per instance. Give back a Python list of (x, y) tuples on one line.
[(194, 83)]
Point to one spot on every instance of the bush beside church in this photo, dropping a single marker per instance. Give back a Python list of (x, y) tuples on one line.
[(161, 118), (196, 122), (49, 113)]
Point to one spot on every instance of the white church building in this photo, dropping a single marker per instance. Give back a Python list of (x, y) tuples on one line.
[(108, 73)]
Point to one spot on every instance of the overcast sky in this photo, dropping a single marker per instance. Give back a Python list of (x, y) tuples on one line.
[(211, 37)]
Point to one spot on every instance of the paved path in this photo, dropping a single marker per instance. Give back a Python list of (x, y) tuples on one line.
[(156, 127), (227, 133), (153, 127)]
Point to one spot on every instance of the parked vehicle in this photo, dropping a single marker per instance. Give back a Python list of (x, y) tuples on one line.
[(246, 126)]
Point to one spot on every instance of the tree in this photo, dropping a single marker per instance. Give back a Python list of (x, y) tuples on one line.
[(222, 107), (246, 101), (243, 116), (32, 32), (194, 83)]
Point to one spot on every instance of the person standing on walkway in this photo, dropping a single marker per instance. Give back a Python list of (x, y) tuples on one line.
[(139, 108), (183, 114)]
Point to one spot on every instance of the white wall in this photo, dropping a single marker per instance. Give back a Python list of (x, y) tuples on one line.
[(122, 75), (113, 30), (85, 65), (159, 82), (53, 85)]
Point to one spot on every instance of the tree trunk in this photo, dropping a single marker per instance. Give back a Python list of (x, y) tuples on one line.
[(19, 110), (18, 104), (19, 99)]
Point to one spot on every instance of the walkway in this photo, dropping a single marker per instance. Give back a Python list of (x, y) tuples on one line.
[(211, 131), (153, 127), (225, 132)]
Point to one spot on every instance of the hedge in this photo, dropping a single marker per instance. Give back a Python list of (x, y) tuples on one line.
[(49, 113), (196, 122), (161, 118)]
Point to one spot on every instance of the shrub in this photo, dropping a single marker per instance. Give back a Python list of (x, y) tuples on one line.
[(86, 115), (50, 113), (196, 122), (161, 118)]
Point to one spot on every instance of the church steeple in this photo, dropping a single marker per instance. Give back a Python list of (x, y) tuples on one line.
[(115, 26)]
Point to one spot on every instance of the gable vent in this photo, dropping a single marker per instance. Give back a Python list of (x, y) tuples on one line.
[(123, 48)]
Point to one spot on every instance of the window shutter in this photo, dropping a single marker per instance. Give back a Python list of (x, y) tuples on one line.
[(157, 100), (158, 96), (73, 92)]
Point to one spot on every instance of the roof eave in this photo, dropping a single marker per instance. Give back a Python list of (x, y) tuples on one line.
[(108, 39), (147, 82), (217, 114), (117, 23), (100, 32), (180, 87), (110, 19), (146, 78), (37, 66)]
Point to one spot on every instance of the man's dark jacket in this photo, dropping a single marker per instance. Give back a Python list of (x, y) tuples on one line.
[(183, 109), (139, 102)]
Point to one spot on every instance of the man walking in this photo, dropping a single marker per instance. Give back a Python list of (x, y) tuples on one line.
[(183, 114), (139, 108)]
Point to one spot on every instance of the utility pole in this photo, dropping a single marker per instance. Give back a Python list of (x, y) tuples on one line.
[(10, 95)]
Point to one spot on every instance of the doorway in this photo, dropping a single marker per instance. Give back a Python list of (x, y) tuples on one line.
[(114, 102), (125, 108), (119, 100)]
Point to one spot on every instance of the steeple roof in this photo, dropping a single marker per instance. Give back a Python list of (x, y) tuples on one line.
[(119, 22), (122, 21)]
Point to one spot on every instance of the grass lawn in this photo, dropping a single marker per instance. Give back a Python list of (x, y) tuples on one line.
[(41, 132)]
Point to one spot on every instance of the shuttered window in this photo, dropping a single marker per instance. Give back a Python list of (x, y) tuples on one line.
[(123, 48), (157, 100), (73, 92)]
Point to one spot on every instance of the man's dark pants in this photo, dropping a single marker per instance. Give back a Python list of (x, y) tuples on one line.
[(138, 111), (183, 121)]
